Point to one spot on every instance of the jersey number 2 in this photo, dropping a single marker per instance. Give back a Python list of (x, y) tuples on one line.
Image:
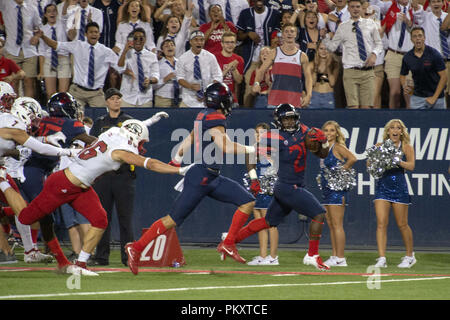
[(91, 151)]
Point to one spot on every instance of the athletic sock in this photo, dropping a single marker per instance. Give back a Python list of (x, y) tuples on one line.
[(55, 248), (313, 247), (83, 256), (239, 219), (253, 227), (25, 234), (155, 230)]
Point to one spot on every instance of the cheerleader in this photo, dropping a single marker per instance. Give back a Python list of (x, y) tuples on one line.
[(335, 201), (261, 204), (392, 191)]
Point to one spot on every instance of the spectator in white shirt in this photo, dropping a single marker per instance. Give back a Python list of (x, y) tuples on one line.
[(91, 62), (20, 45), (40, 6), (167, 91), (55, 68), (79, 17), (177, 30), (141, 70), (133, 17), (358, 58), (193, 85), (236, 6), (397, 22)]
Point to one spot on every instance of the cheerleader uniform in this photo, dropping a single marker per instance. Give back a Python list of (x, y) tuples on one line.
[(330, 197), (392, 186), (262, 200)]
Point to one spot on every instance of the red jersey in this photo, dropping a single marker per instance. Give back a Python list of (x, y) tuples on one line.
[(7, 67), (228, 78), (214, 43)]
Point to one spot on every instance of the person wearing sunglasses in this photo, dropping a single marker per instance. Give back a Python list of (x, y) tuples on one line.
[(140, 70)]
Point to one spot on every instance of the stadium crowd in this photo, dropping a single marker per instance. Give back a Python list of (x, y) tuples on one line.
[(146, 49)]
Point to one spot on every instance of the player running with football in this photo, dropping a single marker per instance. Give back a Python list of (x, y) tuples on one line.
[(204, 178), (292, 141), (73, 186)]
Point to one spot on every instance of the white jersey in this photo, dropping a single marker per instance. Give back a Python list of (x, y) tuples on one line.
[(7, 120), (96, 160)]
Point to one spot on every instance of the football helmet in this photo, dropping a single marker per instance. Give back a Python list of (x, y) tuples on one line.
[(63, 105), (7, 96), (219, 96), (28, 111), (135, 131), (285, 110)]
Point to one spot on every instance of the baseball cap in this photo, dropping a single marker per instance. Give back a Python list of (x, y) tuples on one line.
[(112, 92)]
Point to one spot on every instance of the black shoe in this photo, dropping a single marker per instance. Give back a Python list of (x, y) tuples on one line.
[(95, 262)]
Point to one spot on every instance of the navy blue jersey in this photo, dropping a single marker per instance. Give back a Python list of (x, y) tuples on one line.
[(51, 125), (291, 152), (204, 151)]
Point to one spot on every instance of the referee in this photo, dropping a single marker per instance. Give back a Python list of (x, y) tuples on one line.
[(116, 188)]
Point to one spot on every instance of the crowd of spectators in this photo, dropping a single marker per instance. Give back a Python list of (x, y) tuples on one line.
[(148, 50)]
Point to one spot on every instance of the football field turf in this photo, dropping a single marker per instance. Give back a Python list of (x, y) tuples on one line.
[(206, 277)]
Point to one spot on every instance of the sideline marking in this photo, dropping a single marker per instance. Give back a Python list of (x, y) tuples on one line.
[(28, 296), (212, 271)]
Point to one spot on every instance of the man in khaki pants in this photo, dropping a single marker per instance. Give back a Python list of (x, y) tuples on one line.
[(361, 44)]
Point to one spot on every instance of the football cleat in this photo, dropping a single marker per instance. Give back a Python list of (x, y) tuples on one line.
[(315, 261), (133, 258), (77, 270), (229, 250), (35, 256)]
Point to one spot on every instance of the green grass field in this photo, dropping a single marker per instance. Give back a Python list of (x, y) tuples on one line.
[(206, 277)]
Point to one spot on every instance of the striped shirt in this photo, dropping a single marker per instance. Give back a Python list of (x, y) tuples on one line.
[(287, 84)]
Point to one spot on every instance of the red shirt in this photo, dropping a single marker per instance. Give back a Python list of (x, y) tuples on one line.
[(214, 43), (228, 78), (7, 67)]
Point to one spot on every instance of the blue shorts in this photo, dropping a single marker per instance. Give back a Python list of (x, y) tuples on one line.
[(70, 217), (288, 197), (322, 100), (201, 182)]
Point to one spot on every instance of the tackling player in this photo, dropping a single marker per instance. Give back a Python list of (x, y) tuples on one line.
[(204, 178), (73, 186), (293, 139)]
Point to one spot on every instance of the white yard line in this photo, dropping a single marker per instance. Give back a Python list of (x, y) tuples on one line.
[(69, 294)]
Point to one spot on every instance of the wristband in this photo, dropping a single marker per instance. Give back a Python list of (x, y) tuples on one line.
[(252, 174), (145, 162), (249, 149)]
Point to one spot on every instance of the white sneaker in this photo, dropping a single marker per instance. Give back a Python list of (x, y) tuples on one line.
[(407, 262), (73, 269), (334, 261), (330, 261), (269, 261), (256, 261), (381, 262), (35, 256), (315, 261)]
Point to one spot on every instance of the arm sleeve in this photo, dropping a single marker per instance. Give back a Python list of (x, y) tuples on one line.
[(43, 148)]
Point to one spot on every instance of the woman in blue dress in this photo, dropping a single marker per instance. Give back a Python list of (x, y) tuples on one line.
[(261, 204), (335, 201), (391, 191)]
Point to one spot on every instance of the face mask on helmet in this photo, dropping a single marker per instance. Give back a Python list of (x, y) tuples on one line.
[(136, 132), (7, 96), (28, 111), (286, 118)]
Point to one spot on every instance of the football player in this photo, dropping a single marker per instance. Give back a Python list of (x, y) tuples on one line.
[(73, 185), (204, 178), (292, 142)]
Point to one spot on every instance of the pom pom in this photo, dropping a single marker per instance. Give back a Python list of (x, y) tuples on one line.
[(337, 178), (383, 157)]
